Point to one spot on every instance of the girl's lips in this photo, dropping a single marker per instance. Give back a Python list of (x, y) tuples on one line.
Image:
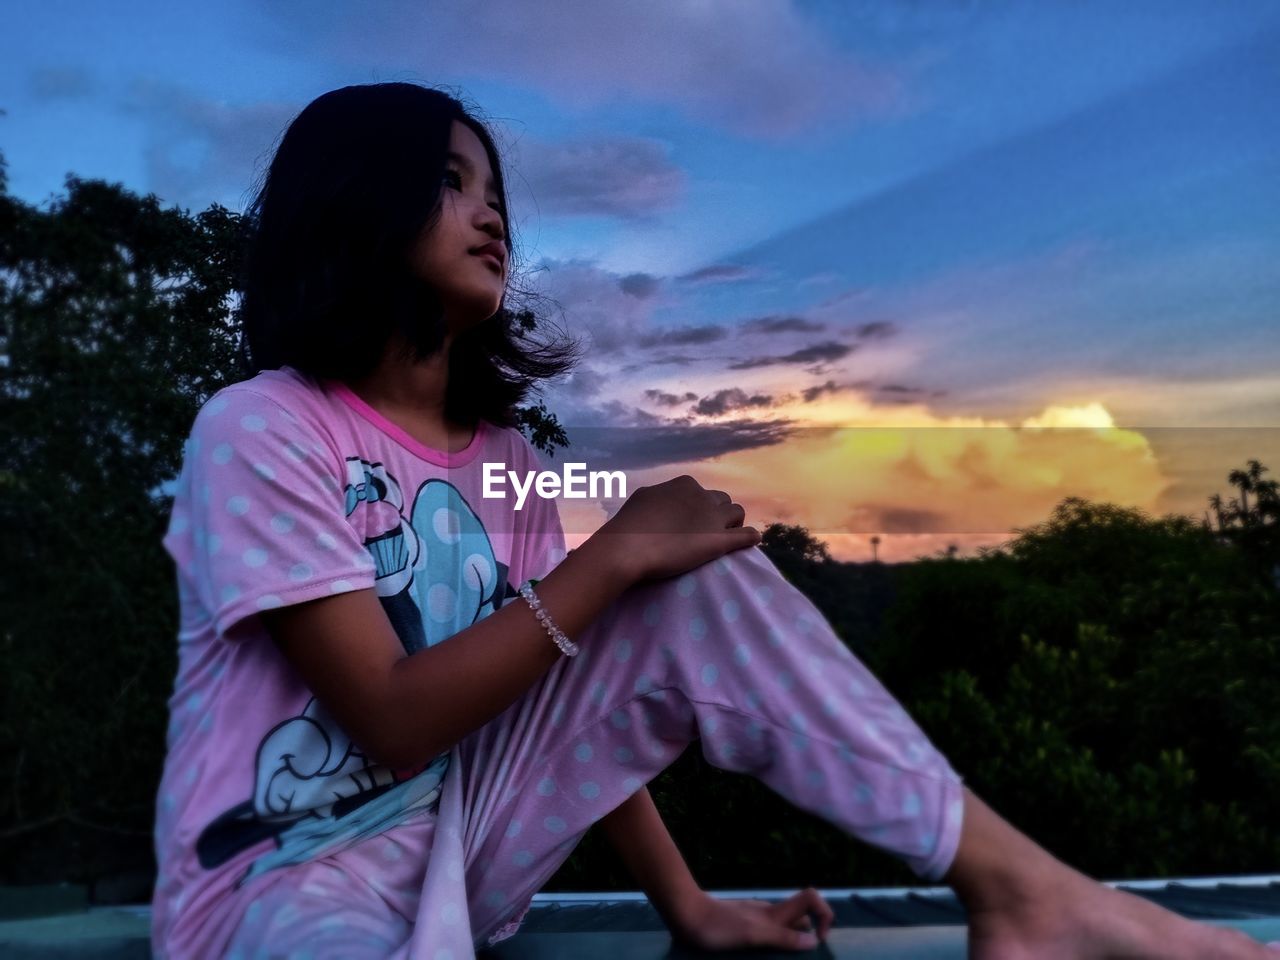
[(492, 258)]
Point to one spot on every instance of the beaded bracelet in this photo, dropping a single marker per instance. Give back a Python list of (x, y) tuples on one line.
[(567, 646)]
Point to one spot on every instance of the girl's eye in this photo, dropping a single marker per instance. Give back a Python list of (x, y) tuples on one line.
[(454, 177)]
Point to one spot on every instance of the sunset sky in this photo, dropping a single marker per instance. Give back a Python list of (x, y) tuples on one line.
[(914, 269)]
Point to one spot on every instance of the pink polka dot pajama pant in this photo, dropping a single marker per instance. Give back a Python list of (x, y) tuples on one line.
[(729, 653)]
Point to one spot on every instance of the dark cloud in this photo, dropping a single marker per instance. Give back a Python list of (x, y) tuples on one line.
[(706, 333), (719, 273), (776, 324), (60, 83), (639, 285), (200, 150), (811, 394), (628, 177), (734, 398), (909, 520), (879, 330), (670, 399), (673, 359), (825, 352), (639, 447), (899, 388)]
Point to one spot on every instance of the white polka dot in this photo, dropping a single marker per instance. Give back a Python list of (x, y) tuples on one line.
[(179, 525), (590, 790), (686, 585), (341, 586), (911, 805), (557, 714), (253, 423), (282, 523), (643, 684), (623, 755), (230, 592), (447, 525), (653, 614), (730, 610), (622, 650), (449, 913), (710, 674), (295, 452), (513, 828), (454, 870), (442, 602), (711, 724), (269, 602), (391, 851), (786, 680), (721, 565), (299, 572), (222, 454), (254, 557), (443, 953), (326, 541), (555, 824), (216, 406), (741, 654), (264, 471), (697, 628), (205, 494), (213, 544), (755, 730), (764, 594), (477, 571), (799, 723), (804, 623), (620, 719), (598, 691), (546, 786), (753, 700), (816, 778), (632, 784), (495, 898), (775, 636), (583, 752), (522, 858), (238, 506)]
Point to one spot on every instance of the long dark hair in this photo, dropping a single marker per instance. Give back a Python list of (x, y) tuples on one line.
[(326, 283)]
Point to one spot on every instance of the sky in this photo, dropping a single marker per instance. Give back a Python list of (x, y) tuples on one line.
[(905, 269)]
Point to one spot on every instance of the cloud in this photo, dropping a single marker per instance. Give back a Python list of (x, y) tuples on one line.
[(670, 399), (734, 398), (60, 83), (777, 324), (627, 177), (719, 273), (764, 70), (639, 285), (200, 150), (706, 333), (826, 352)]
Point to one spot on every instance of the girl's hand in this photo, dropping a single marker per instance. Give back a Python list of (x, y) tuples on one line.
[(711, 924), (672, 527)]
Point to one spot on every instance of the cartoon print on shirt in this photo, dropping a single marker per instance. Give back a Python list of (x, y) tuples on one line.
[(314, 790)]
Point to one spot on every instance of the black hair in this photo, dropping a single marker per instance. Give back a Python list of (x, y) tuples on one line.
[(326, 282)]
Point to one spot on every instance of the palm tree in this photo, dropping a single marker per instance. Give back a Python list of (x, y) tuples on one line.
[(1215, 503), (1243, 480), (875, 553)]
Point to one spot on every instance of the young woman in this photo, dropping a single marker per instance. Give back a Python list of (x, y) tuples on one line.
[(400, 704)]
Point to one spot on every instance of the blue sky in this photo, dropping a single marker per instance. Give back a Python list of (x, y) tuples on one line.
[(774, 216)]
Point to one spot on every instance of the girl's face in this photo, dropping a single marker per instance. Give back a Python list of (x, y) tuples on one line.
[(469, 283)]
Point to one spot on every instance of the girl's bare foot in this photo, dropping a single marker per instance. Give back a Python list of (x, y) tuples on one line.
[(1077, 918), (1025, 904)]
